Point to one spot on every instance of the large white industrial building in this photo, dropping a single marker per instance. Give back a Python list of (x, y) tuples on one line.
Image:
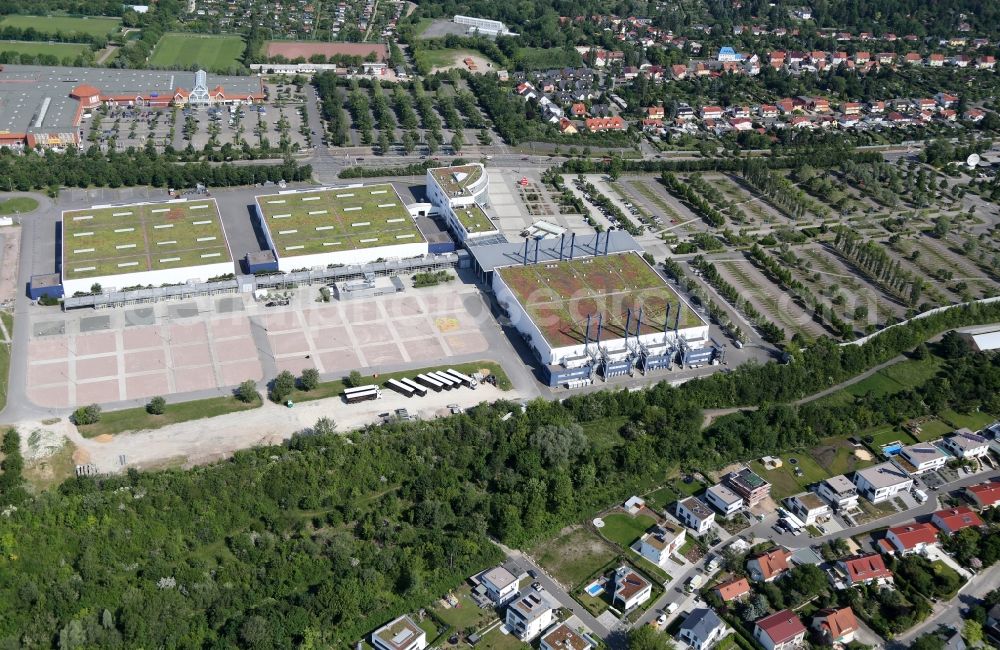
[(459, 194), (357, 224), (592, 310), (142, 244)]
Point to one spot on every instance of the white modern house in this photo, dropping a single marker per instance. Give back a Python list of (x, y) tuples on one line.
[(660, 542), (631, 589), (882, 482), (693, 513), (400, 634), (839, 492), (808, 507), (529, 615), (724, 500), (922, 457), (500, 584), (563, 637), (966, 444)]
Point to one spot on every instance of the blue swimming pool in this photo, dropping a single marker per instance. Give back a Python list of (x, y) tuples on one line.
[(594, 589), (892, 448)]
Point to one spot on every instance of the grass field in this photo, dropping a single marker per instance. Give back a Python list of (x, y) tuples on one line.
[(61, 50), (973, 421), (137, 419), (92, 25), (327, 221), (136, 238), (560, 295), (466, 615), (18, 204), (217, 53), (8, 321), (624, 529), (603, 433), (892, 379), (574, 557), (784, 482), (336, 387), (837, 456)]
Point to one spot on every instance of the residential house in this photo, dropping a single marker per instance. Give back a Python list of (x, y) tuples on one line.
[(808, 507), (984, 495), (678, 71), (839, 492), (724, 500), (909, 538), (862, 57), (634, 505), (973, 115), (598, 124), (876, 107), (563, 637), (685, 112), (882, 482), (768, 110), (567, 127), (767, 567), (924, 104), (578, 109), (965, 444), (850, 108), (655, 113), (912, 58), (780, 631), (693, 513), (661, 542), (748, 485), (631, 589), (935, 60), (836, 626), (399, 634), (787, 105), (945, 100), (741, 124), (865, 570), (500, 584), (735, 589), (711, 112), (702, 629), (986, 62), (921, 457), (948, 115), (528, 615), (885, 58), (802, 122), (953, 520), (961, 60), (839, 58)]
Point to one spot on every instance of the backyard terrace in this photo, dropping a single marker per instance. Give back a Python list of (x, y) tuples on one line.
[(559, 295), (142, 237), (331, 220)]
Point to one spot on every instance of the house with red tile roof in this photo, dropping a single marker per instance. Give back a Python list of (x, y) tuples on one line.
[(598, 124), (935, 60), (711, 112), (973, 115), (953, 520), (984, 495), (865, 569), (735, 589), (986, 62), (909, 538), (655, 113), (766, 567), (780, 631), (578, 109), (836, 626), (912, 58)]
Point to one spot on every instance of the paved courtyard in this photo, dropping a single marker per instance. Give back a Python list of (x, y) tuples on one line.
[(207, 345)]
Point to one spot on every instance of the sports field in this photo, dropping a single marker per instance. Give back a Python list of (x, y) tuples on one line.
[(142, 237), (331, 220), (93, 25), (560, 295), (61, 50), (182, 51)]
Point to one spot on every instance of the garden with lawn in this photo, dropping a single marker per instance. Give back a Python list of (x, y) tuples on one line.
[(784, 480), (624, 529)]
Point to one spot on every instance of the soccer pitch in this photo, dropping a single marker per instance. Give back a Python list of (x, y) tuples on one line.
[(333, 220), (92, 25), (142, 237), (61, 50), (184, 51), (560, 295)]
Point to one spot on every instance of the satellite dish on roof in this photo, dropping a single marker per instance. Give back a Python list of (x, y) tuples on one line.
[(973, 160)]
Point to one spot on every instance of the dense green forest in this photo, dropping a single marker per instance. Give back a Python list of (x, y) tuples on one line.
[(314, 543)]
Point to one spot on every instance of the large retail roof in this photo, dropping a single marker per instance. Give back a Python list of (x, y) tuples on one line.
[(559, 295), (140, 237), (24, 90), (332, 220)]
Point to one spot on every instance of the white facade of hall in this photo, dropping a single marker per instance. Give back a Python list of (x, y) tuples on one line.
[(476, 193)]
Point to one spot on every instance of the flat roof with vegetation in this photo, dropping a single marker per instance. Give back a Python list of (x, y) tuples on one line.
[(558, 296), (332, 220), (455, 180), (474, 219), (142, 237)]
